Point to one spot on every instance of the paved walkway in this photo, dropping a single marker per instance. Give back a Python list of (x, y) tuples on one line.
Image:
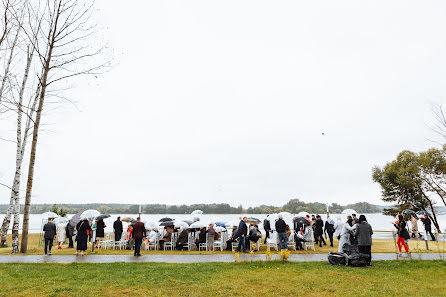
[(191, 258)]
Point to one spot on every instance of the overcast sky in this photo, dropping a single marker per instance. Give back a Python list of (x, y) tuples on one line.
[(226, 101)]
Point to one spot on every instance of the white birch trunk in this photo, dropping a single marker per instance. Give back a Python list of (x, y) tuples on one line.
[(7, 219), (20, 151)]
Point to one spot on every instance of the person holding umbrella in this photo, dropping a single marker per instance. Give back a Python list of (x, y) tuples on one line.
[(117, 229), (50, 232), (414, 223), (428, 226), (139, 232), (83, 228)]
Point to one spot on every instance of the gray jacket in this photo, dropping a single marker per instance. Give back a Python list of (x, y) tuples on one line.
[(364, 233), (50, 230)]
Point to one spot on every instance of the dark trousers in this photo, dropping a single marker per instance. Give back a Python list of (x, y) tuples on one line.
[(299, 245), (138, 242), (48, 244), (330, 236), (366, 249), (266, 235), (241, 243), (432, 235), (320, 240), (70, 244), (118, 236)]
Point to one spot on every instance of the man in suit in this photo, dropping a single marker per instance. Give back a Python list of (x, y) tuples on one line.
[(242, 233), (267, 227), (50, 233), (117, 228), (139, 232)]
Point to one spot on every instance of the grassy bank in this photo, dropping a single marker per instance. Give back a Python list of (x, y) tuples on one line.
[(391, 278), (379, 246)]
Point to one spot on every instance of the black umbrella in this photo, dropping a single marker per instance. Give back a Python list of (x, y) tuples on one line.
[(252, 220), (75, 219), (301, 221), (132, 221), (102, 216), (169, 223), (165, 220), (423, 213), (408, 211)]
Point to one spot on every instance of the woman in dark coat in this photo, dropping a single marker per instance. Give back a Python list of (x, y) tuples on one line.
[(100, 234), (82, 236)]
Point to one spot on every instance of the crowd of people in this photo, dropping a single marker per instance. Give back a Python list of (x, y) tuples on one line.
[(354, 231)]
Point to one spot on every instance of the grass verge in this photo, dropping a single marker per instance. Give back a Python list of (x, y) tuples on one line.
[(386, 278)]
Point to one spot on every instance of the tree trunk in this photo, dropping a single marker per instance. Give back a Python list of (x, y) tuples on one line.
[(20, 151), (9, 211), (434, 219), (6, 221), (32, 159)]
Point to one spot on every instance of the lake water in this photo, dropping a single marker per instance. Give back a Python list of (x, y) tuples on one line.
[(378, 221)]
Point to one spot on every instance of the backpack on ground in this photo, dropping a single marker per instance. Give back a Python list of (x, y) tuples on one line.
[(337, 258)]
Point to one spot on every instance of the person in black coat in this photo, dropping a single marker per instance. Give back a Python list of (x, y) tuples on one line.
[(242, 232), (428, 226), (319, 230), (233, 238), (50, 232), (117, 228), (69, 233), (100, 231), (201, 236), (83, 228), (267, 227), (329, 229)]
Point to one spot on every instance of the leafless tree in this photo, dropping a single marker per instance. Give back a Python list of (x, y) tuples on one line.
[(66, 49)]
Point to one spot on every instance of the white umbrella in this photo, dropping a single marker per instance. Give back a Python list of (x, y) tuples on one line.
[(150, 225), (220, 229), (181, 224), (60, 220), (49, 214), (197, 225), (349, 211), (90, 214), (197, 212), (302, 214)]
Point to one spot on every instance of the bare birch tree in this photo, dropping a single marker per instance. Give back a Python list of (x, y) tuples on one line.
[(65, 50), (15, 23)]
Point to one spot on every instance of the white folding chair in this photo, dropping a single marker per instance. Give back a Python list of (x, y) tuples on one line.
[(310, 243), (171, 244), (203, 245), (291, 242), (272, 241)]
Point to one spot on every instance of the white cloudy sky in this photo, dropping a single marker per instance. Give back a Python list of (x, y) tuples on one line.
[(215, 101)]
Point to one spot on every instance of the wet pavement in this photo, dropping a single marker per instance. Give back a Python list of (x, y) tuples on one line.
[(194, 258)]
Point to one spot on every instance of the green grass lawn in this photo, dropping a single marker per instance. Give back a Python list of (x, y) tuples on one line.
[(390, 278)]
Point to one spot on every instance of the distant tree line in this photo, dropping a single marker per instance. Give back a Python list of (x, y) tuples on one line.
[(293, 206)]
